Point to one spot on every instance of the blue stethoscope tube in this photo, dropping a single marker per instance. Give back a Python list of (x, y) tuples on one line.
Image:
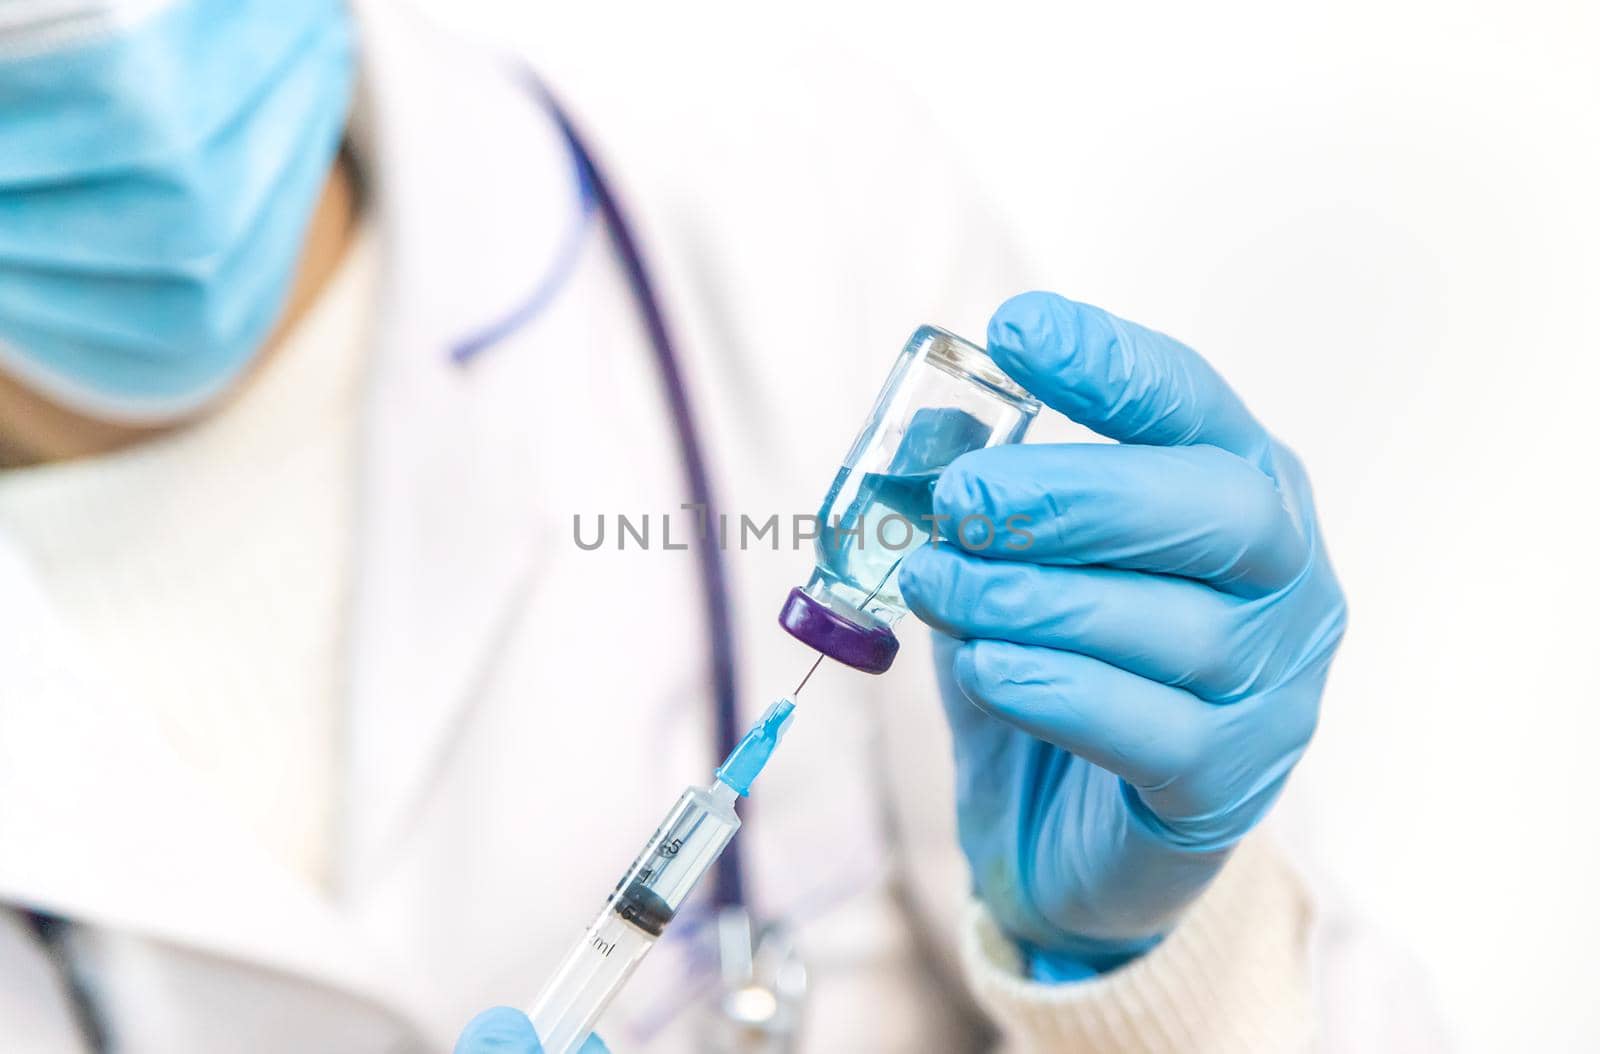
[(596, 195)]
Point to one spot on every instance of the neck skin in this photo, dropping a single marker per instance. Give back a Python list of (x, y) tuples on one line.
[(34, 430)]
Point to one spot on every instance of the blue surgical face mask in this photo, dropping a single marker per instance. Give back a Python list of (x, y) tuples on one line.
[(157, 172)]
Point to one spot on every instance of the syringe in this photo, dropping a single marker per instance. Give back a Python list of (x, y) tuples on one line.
[(638, 911)]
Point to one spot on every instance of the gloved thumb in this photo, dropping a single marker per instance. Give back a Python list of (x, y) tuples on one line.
[(1126, 382)]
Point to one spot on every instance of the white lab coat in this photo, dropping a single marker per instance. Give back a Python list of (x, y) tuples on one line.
[(520, 711)]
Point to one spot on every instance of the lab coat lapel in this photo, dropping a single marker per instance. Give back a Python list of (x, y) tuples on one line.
[(98, 820), (101, 822), (445, 547)]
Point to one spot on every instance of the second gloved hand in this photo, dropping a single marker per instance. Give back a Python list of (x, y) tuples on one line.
[(1130, 677), (503, 1030)]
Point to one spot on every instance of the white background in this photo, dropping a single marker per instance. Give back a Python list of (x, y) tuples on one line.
[(1380, 220)]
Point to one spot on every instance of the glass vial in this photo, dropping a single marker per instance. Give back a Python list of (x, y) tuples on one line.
[(943, 398)]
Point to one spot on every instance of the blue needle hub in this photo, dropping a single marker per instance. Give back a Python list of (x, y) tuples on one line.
[(746, 760)]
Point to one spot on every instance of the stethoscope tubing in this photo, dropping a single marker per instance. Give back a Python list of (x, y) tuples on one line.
[(728, 887)]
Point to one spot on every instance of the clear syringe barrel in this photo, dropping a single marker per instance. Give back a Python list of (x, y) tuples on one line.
[(683, 848)]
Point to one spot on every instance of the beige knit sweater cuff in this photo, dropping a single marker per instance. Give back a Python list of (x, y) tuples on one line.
[(1234, 976)]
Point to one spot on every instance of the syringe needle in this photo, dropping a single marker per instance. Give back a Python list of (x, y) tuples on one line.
[(807, 677)]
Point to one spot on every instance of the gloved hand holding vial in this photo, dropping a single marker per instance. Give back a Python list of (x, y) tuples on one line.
[(1131, 637), (1197, 514)]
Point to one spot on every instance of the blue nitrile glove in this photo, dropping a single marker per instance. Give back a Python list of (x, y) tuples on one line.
[(1129, 687), (502, 1030)]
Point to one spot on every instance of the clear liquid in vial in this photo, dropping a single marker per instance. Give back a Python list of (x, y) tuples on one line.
[(870, 521)]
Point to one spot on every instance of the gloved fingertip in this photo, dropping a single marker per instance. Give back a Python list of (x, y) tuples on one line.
[(968, 677), (973, 496), (1057, 349), (1036, 331), (1024, 323), (959, 493), (944, 648), (916, 572), (500, 1028)]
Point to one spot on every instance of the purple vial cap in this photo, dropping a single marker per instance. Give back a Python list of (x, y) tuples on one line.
[(870, 649)]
